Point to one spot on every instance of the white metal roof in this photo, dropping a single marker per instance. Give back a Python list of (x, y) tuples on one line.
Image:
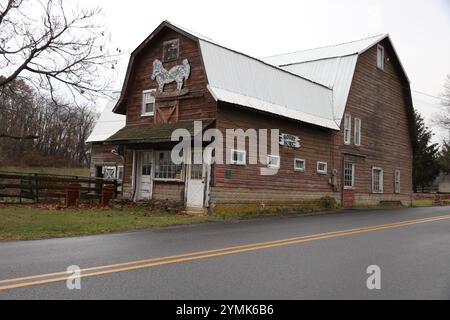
[(237, 78), (332, 66), (339, 50), (335, 73), (108, 123)]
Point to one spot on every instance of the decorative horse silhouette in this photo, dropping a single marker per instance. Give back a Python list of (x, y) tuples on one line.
[(178, 74)]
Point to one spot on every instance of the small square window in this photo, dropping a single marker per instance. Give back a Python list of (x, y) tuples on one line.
[(148, 103), (380, 57), (238, 157), (299, 165), (273, 161), (322, 167)]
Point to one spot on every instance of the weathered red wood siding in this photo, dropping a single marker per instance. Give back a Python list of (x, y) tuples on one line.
[(101, 156), (379, 98), (200, 107), (247, 184)]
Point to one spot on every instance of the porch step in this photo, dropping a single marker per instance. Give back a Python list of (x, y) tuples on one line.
[(195, 211)]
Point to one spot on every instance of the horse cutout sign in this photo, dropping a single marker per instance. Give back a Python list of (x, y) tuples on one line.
[(177, 74)]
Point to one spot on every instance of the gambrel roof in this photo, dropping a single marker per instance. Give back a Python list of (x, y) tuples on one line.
[(332, 66), (311, 86), (237, 78)]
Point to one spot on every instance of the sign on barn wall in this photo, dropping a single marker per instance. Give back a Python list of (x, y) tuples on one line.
[(178, 74), (290, 141)]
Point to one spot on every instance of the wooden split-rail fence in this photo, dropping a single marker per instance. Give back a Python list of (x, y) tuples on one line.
[(48, 188)]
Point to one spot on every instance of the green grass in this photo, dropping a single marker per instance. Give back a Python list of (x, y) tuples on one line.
[(31, 223), (43, 170), (27, 223), (422, 203)]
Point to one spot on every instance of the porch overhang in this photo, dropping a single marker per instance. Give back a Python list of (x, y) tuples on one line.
[(153, 133)]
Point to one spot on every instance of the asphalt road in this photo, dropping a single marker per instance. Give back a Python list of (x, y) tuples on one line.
[(325, 257)]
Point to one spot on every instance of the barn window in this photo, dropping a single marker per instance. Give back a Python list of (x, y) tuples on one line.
[(165, 169), (377, 180), (109, 172), (349, 175), (171, 50), (238, 157), (347, 128), (299, 165), (357, 132), (322, 167), (380, 57), (397, 181), (273, 162), (148, 103)]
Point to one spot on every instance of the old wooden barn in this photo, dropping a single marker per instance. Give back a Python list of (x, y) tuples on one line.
[(344, 114)]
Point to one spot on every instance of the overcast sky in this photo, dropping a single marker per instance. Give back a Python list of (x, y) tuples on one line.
[(420, 30)]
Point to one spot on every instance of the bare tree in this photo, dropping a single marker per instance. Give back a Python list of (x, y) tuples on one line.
[(443, 118), (61, 131), (56, 50)]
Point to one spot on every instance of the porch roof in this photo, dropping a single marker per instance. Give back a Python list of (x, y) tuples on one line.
[(153, 133)]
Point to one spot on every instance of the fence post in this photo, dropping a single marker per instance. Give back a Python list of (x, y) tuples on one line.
[(36, 177)]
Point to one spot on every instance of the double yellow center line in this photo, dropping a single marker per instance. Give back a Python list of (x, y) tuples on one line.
[(153, 262)]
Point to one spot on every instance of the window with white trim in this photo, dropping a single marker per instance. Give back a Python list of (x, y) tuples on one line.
[(273, 161), (377, 180), (397, 178), (148, 103), (357, 138), (165, 169), (349, 175), (238, 157), (380, 57), (347, 128), (322, 167), (299, 165)]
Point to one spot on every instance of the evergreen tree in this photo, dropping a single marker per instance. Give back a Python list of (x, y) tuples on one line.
[(426, 156)]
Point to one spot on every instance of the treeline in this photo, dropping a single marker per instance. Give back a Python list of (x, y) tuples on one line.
[(38, 131)]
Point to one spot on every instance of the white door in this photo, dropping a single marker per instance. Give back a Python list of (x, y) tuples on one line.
[(195, 186), (145, 176)]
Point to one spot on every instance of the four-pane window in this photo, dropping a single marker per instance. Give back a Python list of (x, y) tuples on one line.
[(299, 165), (273, 161), (322, 167), (238, 157)]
